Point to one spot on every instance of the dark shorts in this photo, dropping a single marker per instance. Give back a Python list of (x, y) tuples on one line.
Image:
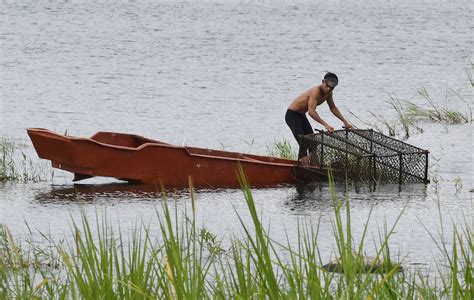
[(299, 125)]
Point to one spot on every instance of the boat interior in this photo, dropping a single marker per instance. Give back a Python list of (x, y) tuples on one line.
[(123, 139), (236, 155), (135, 141)]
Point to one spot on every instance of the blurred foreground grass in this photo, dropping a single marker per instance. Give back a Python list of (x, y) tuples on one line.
[(184, 261)]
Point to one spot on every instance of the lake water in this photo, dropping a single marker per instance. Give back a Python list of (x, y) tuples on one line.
[(220, 75)]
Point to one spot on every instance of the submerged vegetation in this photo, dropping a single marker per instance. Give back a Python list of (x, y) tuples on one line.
[(182, 261), (15, 164)]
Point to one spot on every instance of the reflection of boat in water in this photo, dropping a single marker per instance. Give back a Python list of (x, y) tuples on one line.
[(92, 192), (299, 197), (137, 159)]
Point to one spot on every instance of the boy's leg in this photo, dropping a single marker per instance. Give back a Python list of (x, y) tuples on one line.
[(307, 129), (295, 122)]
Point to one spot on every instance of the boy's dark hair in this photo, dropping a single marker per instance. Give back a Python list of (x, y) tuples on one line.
[(330, 75), (331, 79)]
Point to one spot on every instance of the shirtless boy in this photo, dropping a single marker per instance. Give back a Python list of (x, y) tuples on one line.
[(307, 102)]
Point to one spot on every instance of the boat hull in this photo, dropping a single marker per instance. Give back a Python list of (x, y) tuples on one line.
[(137, 159)]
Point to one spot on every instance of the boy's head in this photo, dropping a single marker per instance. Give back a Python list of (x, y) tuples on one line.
[(331, 80)]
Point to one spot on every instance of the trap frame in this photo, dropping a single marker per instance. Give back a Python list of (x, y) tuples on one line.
[(366, 155)]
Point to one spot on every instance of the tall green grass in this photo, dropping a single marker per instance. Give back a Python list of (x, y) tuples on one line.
[(436, 112), (408, 114), (15, 164), (182, 261), (282, 149), (7, 165)]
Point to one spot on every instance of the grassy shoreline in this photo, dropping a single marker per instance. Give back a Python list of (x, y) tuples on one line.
[(186, 261)]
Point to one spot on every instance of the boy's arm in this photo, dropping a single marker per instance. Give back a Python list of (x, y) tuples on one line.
[(312, 104), (335, 111)]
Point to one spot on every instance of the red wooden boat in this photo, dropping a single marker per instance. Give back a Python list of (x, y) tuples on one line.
[(137, 159)]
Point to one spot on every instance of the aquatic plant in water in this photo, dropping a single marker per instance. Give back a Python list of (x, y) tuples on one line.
[(7, 166), (437, 113), (17, 165), (282, 149), (408, 113)]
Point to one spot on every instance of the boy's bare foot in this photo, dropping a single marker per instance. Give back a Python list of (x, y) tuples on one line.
[(305, 160)]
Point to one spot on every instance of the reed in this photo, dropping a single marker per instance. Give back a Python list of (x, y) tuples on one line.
[(437, 113), (404, 118), (456, 271), (390, 125), (7, 166), (408, 114), (16, 165), (183, 261), (469, 71), (282, 149)]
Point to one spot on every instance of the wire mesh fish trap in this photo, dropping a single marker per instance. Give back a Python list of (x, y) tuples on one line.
[(363, 154)]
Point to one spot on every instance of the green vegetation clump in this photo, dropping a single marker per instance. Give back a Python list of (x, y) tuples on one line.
[(17, 165), (282, 149), (408, 114), (436, 112), (7, 166), (183, 261)]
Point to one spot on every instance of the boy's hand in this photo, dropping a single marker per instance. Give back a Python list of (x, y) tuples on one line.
[(329, 128), (347, 125)]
